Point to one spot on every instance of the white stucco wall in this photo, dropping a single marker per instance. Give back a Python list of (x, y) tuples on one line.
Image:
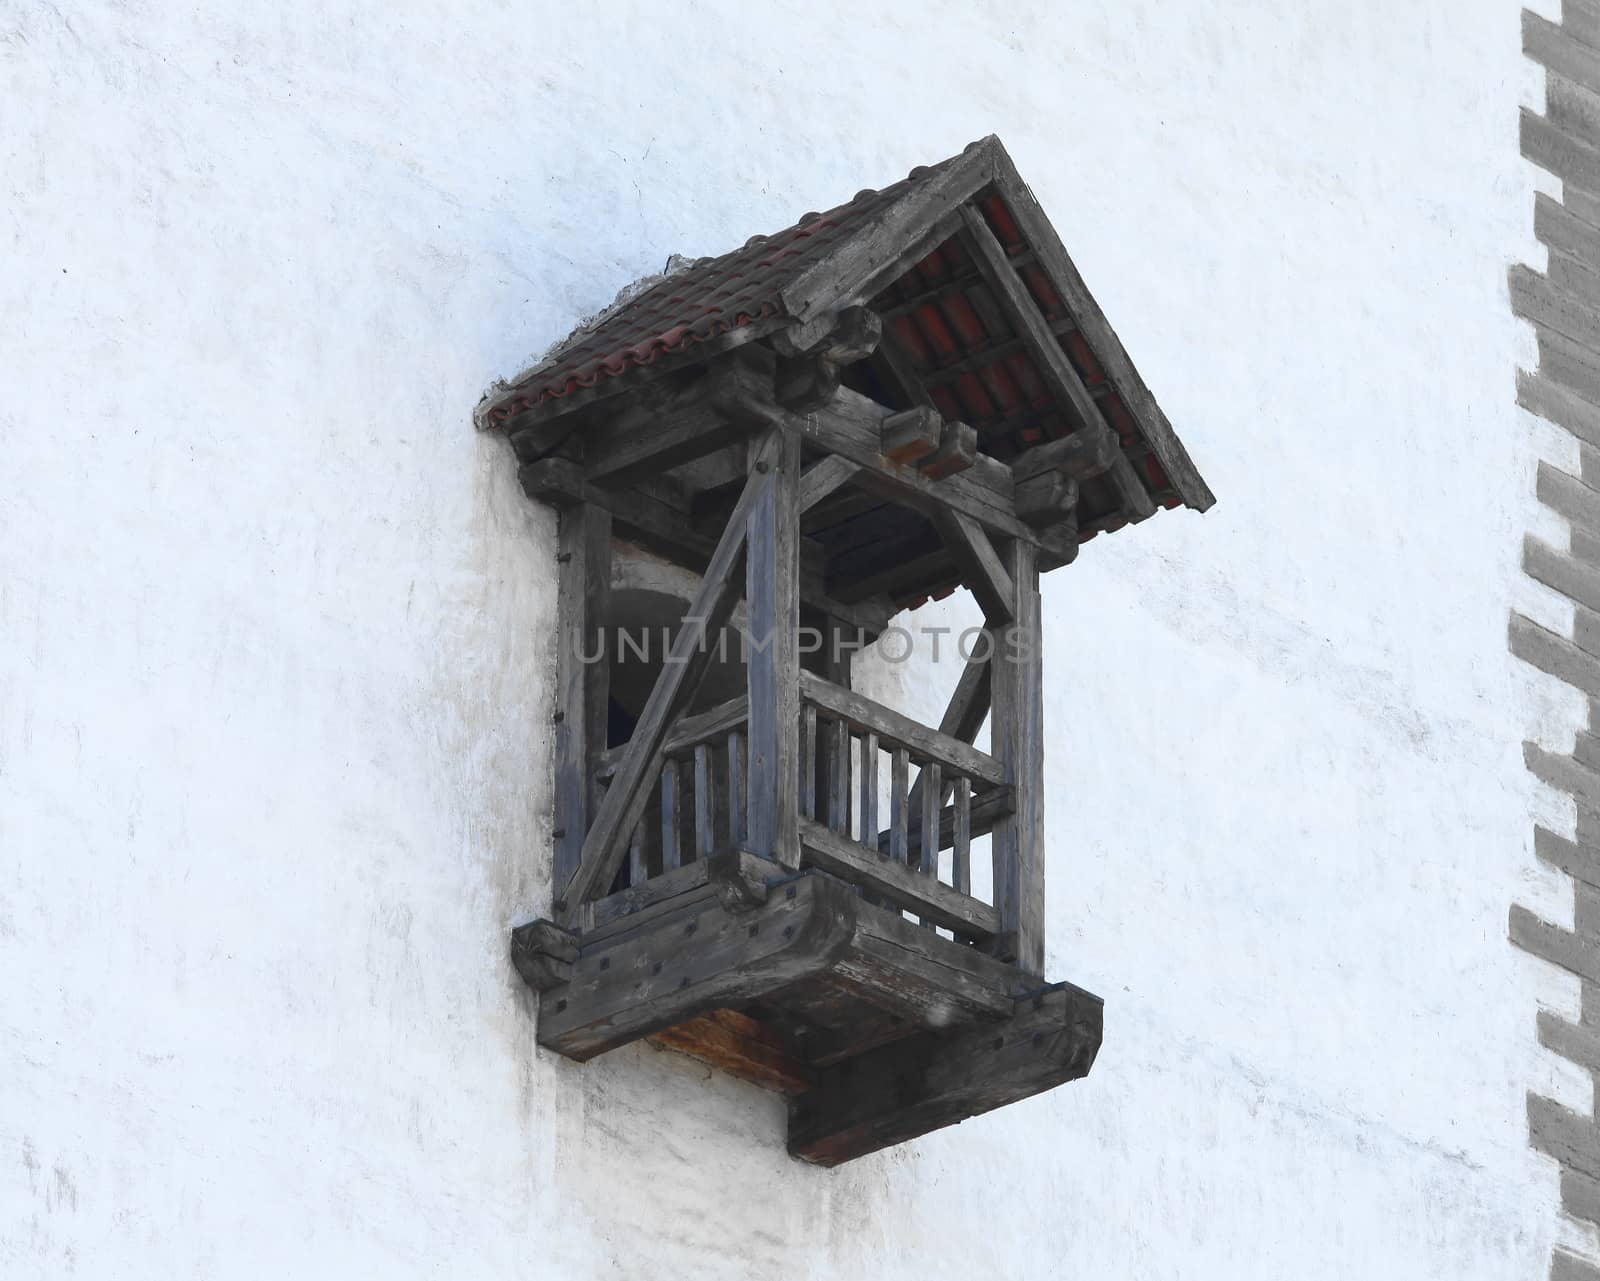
[(275, 636)]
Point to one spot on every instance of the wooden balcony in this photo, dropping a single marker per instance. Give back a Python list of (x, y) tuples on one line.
[(870, 983)]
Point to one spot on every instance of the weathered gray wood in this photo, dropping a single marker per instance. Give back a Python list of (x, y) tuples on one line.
[(703, 727), (1086, 452), (839, 776), (1052, 361), (667, 530), (602, 917), (961, 839), (1121, 373), (921, 976), (671, 846), (705, 837), (911, 435), (901, 376), (704, 416), (965, 713), (1017, 735), (899, 766), (850, 425), (922, 1084), (891, 726), (808, 377), (824, 478), (867, 806), (1047, 498), (981, 570), (901, 235), (808, 761), (736, 788), (629, 792), (691, 962), (638, 873), (543, 954), (928, 824), (583, 578), (772, 594), (957, 452), (928, 829), (985, 812), (740, 878)]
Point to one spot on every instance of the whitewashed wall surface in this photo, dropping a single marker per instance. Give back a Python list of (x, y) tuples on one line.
[(276, 639)]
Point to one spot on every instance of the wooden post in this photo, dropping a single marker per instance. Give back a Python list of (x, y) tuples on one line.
[(583, 581), (772, 592), (1017, 738)]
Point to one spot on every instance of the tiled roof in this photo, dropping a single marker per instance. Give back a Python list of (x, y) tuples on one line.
[(703, 302)]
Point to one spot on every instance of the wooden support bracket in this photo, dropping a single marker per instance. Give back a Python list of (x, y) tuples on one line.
[(910, 1088)]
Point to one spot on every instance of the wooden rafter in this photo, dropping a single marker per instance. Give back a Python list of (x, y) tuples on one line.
[(1052, 361)]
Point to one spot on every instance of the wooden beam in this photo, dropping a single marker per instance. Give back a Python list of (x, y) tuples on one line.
[(808, 377), (896, 882), (666, 530), (1085, 453), (865, 714), (773, 667), (691, 962), (824, 478), (708, 413), (1052, 361), (629, 793), (980, 565), (912, 1087), (583, 583), (904, 233), (1017, 737), (957, 451), (983, 816), (910, 435), (543, 954)]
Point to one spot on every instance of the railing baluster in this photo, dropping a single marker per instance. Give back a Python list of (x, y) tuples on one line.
[(898, 843), (704, 837), (808, 761), (735, 788), (670, 858), (928, 862), (961, 854), (637, 875), (839, 783), (868, 805)]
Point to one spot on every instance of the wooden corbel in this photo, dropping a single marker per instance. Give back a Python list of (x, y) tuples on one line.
[(809, 371)]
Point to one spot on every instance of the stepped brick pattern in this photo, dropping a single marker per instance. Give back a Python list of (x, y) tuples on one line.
[(1563, 305)]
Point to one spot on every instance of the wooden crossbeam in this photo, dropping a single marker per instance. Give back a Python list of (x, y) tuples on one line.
[(849, 425), (1053, 363), (605, 846)]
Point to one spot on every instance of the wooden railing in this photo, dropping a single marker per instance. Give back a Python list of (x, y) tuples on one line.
[(881, 798), (941, 794)]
